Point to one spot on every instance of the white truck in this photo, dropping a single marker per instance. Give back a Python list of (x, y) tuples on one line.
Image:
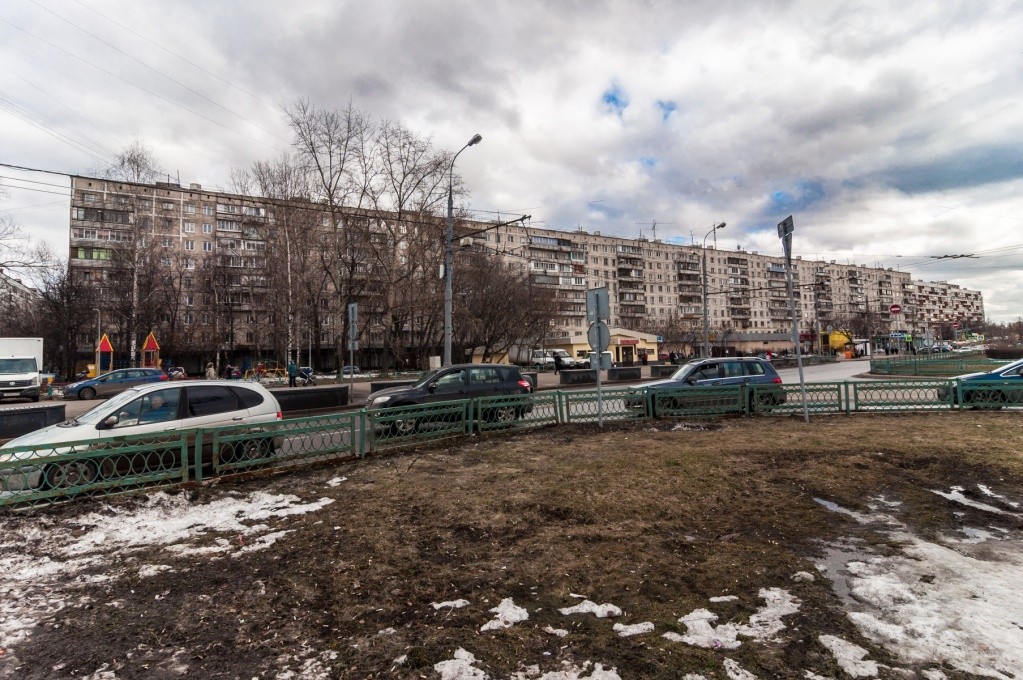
[(21, 360)]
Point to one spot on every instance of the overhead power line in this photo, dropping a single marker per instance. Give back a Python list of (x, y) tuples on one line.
[(139, 87), (158, 71)]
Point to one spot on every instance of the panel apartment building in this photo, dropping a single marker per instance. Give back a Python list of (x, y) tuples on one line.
[(652, 283)]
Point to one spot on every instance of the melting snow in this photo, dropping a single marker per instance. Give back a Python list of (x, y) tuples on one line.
[(736, 672), (849, 657), (635, 629), (956, 494), (453, 604), (508, 614), (601, 611)]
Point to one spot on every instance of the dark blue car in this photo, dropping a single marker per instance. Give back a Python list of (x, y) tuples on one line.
[(993, 389), (112, 383)]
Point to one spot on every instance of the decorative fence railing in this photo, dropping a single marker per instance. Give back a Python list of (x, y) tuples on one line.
[(941, 365), (33, 475)]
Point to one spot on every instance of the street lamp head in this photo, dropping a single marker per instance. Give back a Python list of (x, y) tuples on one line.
[(476, 139), (720, 225)]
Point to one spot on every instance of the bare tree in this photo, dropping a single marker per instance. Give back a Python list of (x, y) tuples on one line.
[(499, 306), (331, 146), (67, 306), (136, 164)]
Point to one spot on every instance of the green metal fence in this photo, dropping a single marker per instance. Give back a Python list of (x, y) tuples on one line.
[(942, 365), (38, 475)]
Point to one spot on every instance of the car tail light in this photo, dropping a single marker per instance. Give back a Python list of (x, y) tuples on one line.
[(163, 376), (525, 383), (280, 416), (777, 380)]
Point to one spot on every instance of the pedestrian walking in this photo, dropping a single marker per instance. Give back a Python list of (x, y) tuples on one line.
[(292, 373), (211, 372), (557, 364)]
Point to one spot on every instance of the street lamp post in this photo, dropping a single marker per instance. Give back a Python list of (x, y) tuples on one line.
[(706, 335), (99, 336), (449, 237)]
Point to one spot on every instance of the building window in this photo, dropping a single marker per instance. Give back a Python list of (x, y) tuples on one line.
[(167, 205), (207, 210), (165, 242), (189, 245), (189, 227), (207, 228), (189, 300), (189, 208), (189, 263), (89, 198), (207, 246), (189, 318)]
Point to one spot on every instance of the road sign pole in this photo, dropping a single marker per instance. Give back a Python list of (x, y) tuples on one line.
[(785, 229), (598, 310)]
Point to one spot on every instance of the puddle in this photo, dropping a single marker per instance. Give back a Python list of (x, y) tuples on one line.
[(833, 565)]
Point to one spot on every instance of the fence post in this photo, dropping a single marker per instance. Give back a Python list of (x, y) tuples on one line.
[(746, 405), (565, 402), (848, 405), (198, 456), (648, 402), (471, 407)]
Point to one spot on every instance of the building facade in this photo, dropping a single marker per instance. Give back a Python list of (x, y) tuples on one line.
[(197, 259)]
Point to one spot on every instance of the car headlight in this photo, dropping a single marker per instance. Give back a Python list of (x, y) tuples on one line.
[(379, 401), (35, 381)]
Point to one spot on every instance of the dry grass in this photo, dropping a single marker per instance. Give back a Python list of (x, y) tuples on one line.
[(653, 520)]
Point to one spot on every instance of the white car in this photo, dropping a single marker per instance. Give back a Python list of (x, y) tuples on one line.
[(153, 415)]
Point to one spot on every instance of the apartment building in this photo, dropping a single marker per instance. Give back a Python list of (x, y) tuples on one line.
[(653, 284)]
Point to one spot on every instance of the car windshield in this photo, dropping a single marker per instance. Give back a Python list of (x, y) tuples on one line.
[(426, 377), (97, 413), (18, 365), (684, 370)]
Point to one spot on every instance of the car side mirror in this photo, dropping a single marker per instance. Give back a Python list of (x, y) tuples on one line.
[(432, 388), (109, 421)]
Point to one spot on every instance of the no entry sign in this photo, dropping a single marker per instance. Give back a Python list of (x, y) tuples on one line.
[(895, 309)]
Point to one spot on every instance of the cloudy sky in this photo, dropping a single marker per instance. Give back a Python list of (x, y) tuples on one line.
[(891, 131)]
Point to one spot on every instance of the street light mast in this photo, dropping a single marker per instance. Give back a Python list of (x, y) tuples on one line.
[(706, 335), (449, 237)]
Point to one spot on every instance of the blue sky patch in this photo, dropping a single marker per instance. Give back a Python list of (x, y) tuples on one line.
[(648, 161), (615, 100), (667, 108), (807, 193)]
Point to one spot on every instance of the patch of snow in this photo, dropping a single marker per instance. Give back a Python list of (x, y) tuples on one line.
[(148, 570), (803, 577), (601, 611), (936, 604), (701, 631), (452, 604), (33, 588), (560, 632), (461, 667), (849, 657), (635, 629), (810, 675), (736, 672), (724, 598), (933, 674), (988, 492), (956, 495), (400, 661), (337, 481), (767, 623), (508, 614)]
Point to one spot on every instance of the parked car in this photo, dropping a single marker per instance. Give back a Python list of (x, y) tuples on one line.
[(350, 370), (1001, 387), (114, 382), (704, 373), (462, 381), (158, 411)]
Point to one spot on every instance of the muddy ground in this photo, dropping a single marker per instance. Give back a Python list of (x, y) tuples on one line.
[(654, 518)]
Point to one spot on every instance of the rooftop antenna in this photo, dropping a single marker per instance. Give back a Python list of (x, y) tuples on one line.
[(653, 228)]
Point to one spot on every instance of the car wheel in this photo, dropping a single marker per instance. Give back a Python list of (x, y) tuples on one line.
[(86, 393), (73, 473), (403, 427), (505, 415)]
